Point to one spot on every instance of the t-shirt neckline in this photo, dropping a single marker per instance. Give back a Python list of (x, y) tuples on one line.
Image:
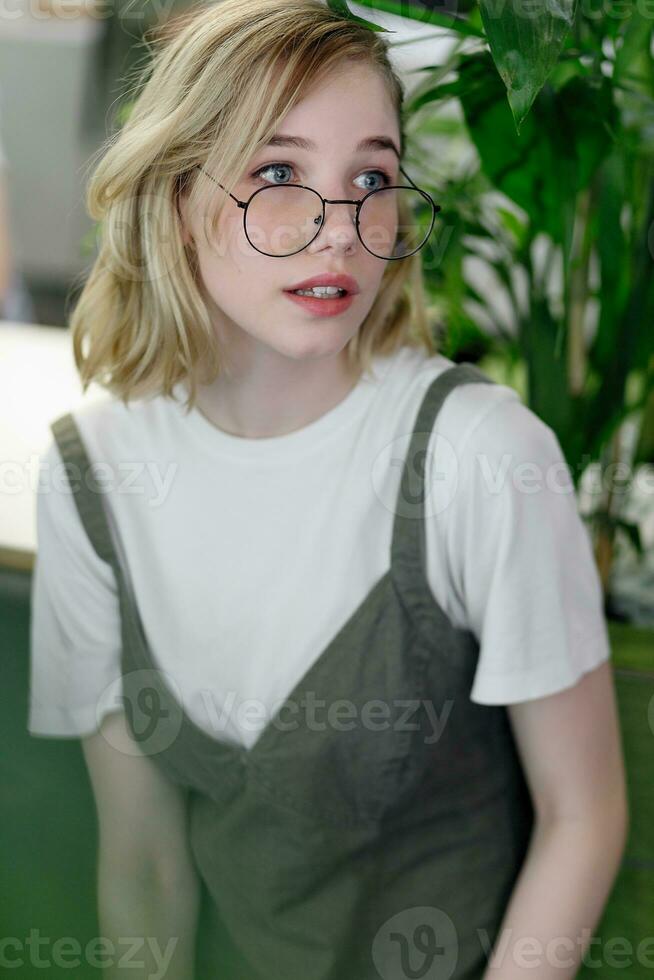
[(310, 437)]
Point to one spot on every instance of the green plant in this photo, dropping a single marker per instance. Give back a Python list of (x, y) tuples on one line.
[(550, 109), (536, 136)]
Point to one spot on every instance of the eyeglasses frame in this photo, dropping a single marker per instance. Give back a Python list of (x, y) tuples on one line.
[(325, 200)]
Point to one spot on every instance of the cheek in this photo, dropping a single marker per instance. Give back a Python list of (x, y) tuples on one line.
[(230, 243), (237, 276)]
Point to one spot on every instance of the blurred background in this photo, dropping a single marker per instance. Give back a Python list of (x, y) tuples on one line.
[(535, 134)]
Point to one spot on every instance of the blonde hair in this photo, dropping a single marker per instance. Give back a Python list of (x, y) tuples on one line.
[(215, 89)]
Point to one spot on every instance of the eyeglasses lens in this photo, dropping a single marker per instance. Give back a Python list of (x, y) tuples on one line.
[(284, 219)]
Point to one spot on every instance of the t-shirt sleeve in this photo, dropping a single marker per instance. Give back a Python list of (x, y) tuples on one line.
[(75, 637), (523, 559)]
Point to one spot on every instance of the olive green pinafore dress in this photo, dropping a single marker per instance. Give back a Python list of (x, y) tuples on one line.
[(352, 843)]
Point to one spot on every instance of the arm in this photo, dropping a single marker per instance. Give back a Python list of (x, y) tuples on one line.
[(570, 746), (148, 887)]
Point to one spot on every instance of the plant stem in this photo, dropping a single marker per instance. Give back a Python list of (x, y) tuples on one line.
[(605, 536), (579, 263)]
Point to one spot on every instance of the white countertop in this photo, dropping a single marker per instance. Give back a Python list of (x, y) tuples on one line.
[(38, 383)]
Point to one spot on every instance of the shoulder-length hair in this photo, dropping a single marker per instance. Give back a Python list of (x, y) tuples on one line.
[(215, 89)]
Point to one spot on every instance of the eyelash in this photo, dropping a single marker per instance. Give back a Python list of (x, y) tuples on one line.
[(277, 163)]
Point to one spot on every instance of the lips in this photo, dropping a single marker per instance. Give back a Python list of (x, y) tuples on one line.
[(321, 308), (348, 283)]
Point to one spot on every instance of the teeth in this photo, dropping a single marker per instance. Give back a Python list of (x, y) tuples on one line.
[(320, 291)]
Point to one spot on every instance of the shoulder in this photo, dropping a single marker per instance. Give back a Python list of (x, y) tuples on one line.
[(113, 431), (120, 441), (508, 439), (499, 456), (474, 415)]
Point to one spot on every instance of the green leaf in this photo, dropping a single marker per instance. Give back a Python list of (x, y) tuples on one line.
[(525, 38), (633, 57), (614, 260), (450, 22), (633, 533), (565, 69), (644, 451), (547, 380), (341, 7), (436, 94), (562, 142), (429, 83), (626, 341), (514, 225), (124, 112)]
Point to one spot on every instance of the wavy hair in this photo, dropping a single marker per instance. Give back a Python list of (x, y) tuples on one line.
[(218, 83)]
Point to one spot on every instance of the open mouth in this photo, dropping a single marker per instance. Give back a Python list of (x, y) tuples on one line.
[(327, 305), (321, 294)]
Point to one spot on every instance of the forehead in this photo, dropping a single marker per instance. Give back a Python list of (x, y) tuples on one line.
[(368, 144), (351, 102)]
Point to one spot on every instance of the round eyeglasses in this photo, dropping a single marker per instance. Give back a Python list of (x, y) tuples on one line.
[(282, 219)]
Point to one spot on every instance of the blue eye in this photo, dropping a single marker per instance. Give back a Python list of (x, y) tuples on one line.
[(384, 176), (271, 166), (386, 180)]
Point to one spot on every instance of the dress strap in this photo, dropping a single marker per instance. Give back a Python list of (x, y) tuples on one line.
[(408, 543), (86, 491), (140, 700)]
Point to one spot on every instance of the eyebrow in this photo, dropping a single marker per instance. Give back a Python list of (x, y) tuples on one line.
[(369, 143)]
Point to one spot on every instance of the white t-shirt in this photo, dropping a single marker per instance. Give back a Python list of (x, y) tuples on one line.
[(246, 556)]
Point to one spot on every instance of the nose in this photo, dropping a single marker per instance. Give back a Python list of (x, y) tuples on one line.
[(339, 227)]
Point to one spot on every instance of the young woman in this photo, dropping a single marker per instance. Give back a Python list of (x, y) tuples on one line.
[(341, 674)]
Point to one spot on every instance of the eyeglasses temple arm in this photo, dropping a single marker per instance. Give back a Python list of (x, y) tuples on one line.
[(437, 207), (241, 204), (403, 171)]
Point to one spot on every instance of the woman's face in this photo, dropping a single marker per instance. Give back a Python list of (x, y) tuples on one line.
[(244, 289)]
